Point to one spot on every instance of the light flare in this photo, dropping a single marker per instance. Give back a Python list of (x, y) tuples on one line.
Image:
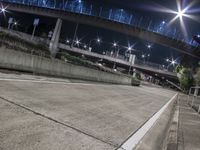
[(183, 11)]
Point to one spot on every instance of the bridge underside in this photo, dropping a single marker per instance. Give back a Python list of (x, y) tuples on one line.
[(109, 61), (107, 24)]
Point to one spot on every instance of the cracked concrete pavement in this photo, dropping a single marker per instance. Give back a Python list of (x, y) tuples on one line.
[(38, 115)]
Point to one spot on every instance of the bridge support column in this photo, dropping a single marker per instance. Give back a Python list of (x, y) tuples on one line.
[(53, 46)]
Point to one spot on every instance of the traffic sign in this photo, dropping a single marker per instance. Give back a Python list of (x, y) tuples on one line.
[(36, 21)]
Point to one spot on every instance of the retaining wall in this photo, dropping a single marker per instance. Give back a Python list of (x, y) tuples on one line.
[(11, 59)]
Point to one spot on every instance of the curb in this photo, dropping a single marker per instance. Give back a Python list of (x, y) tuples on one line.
[(152, 134), (172, 140)]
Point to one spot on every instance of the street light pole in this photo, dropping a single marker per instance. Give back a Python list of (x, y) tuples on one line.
[(131, 62), (35, 24), (98, 40), (33, 33), (90, 45), (75, 33)]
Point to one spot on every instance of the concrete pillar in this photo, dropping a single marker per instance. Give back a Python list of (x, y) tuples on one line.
[(134, 72), (132, 59), (53, 46)]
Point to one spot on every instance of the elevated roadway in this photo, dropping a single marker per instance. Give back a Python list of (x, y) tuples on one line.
[(147, 67), (141, 67), (106, 24)]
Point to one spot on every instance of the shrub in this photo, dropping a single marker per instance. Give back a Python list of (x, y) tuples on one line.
[(185, 77)]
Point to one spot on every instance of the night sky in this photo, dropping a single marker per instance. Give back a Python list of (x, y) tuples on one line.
[(141, 7)]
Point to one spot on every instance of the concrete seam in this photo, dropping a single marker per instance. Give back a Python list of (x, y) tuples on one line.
[(56, 121), (53, 82)]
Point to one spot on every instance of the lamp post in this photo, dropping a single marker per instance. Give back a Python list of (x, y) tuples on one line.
[(35, 24), (131, 58), (115, 45), (172, 62), (98, 40), (75, 34)]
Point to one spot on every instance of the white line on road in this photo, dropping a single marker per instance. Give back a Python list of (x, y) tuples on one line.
[(55, 82), (132, 142)]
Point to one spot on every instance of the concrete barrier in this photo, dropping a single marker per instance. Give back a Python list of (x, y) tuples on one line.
[(11, 59), (157, 137)]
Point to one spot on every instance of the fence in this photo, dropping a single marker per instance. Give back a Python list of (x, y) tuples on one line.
[(194, 98)]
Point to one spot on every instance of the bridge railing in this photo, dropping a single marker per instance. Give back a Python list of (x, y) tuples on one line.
[(106, 12), (152, 65)]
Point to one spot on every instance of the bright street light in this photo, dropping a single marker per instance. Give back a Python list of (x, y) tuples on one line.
[(129, 48), (77, 42), (3, 9), (98, 40), (185, 9), (180, 13), (99, 64), (114, 44), (173, 62), (149, 46), (67, 41)]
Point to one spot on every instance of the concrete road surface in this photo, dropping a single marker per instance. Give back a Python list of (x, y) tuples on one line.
[(41, 113)]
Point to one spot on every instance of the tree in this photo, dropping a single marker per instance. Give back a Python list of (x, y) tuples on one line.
[(185, 77), (197, 75)]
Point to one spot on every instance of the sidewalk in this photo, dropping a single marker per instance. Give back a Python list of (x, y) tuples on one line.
[(189, 126)]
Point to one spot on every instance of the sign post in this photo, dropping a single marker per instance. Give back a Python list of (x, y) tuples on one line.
[(10, 21), (35, 24)]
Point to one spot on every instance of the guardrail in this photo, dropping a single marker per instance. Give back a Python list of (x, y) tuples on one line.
[(194, 98)]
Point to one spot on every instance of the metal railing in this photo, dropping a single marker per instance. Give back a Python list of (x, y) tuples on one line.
[(194, 98)]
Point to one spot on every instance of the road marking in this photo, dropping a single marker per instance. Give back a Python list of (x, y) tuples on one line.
[(51, 82), (132, 142)]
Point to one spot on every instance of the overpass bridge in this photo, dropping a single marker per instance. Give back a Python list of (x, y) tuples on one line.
[(55, 11), (147, 67), (139, 65)]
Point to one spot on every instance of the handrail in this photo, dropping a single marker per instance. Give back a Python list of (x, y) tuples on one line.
[(194, 94)]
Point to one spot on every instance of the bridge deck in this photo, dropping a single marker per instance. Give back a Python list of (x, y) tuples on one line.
[(107, 24)]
